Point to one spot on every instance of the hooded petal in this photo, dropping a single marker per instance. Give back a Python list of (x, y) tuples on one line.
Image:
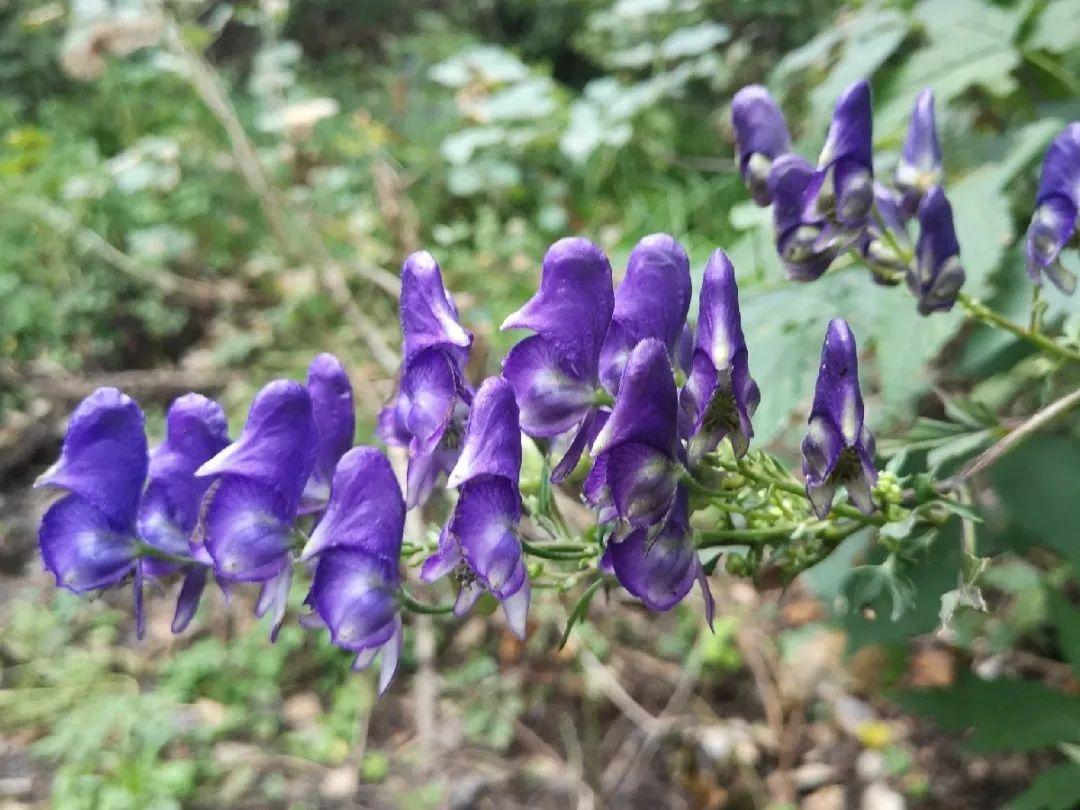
[(423, 473), (278, 445), (919, 168), (651, 302), (551, 394), (485, 523), (761, 136), (366, 510), (850, 135), (885, 230), (355, 594), (335, 424), (492, 443), (429, 392), (83, 547), (104, 457), (937, 276), (796, 237), (572, 308), (646, 410), (586, 433), (642, 482), (195, 430), (429, 318), (720, 395), (445, 559), (247, 530), (659, 570), (1056, 210), (838, 447)]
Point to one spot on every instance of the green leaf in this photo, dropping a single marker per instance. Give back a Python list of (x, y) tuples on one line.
[(868, 38), (1057, 28), (1055, 789), (969, 44), (581, 608), (1037, 486), (1066, 617), (1049, 716)]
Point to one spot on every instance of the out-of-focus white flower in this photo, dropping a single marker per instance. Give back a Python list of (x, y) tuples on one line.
[(83, 53), (297, 120)]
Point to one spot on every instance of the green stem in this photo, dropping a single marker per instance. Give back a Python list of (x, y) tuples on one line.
[(414, 605), (980, 312), (561, 551), (147, 550), (734, 537)]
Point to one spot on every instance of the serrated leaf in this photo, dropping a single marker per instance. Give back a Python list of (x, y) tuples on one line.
[(1049, 716), (969, 44)]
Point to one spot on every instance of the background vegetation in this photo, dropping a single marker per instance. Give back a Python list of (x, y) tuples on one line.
[(203, 195)]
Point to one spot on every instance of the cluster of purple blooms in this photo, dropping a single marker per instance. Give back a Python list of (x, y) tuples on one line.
[(599, 377), (822, 211)]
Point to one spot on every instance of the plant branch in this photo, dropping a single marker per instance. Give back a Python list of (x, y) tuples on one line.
[(994, 453), (982, 313)]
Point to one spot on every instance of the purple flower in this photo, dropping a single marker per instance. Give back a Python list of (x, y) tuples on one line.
[(636, 452), (841, 193), (660, 569), (88, 538), (255, 495), (937, 275), (366, 511), (358, 544), (429, 410), (919, 168), (195, 430), (429, 318), (335, 423), (355, 595), (555, 373), (1056, 209), (798, 239), (838, 448), (651, 302), (720, 396), (884, 233), (480, 543), (761, 136)]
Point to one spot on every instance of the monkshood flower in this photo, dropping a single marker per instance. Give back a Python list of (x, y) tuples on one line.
[(88, 538), (660, 568), (838, 448), (798, 239), (886, 238), (937, 275), (257, 484), (480, 544), (720, 396), (919, 169), (1057, 207), (761, 136), (636, 465), (429, 410), (651, 302), (555, 373), (195, 430), (841, 194), (335, 423), (357, 544)]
